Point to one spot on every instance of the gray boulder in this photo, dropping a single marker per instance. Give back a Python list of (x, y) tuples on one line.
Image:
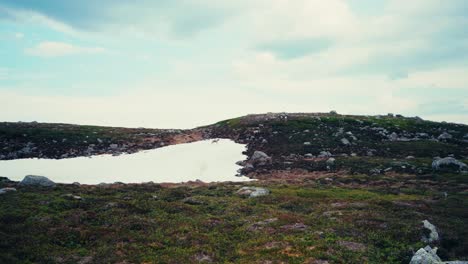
[(330, 161), (426, 255), (445, 136), (253, 192), (345, 141), (439, 163), (260, 158), (433, 235), (7, 189), (393, 137), (324, 154), (34, 180)]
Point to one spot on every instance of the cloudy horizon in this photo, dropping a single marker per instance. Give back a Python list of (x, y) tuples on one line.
[(181, 64)]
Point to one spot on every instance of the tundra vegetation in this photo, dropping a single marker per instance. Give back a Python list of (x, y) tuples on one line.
[(359, 200)]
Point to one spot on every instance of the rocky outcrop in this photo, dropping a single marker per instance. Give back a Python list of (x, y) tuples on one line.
[(447, 163), (433, 234), (253, 192), (428, 255), (445, 136), (6, 190), (34, 180)]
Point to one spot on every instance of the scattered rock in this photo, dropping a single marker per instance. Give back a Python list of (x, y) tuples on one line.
[(85, 260), (307, 143), (260, 158), (317, 261), (7, 189), (324, 154), (253, 191), (444, 136), (110, 205), (426, 255), (295, 227), (345, 141), (448, 162), (113, 146), (34, 180), (353, 246), (433, 235), (192, 201), (261, 224), (393, 137), (203, 258), (73, 197), (331, 162)]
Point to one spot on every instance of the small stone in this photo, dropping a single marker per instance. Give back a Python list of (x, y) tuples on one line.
[(73, 197), (253, 192), (345, 141), (7, 189), (324, 154), (114, 146), (444, 136), (295, 227), (192, 201), (353, 246)]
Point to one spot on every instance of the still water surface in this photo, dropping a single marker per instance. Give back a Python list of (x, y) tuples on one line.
[(203, 160)]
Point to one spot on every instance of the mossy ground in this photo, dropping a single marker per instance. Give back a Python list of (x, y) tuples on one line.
[(153, 224)]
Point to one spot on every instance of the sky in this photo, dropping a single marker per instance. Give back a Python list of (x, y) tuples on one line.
[(187, 63)]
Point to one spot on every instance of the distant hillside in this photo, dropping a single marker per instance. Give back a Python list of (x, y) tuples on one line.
[(312, 142), (364, 144)]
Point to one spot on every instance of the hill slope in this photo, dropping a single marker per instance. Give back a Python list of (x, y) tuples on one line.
[(342, 189)]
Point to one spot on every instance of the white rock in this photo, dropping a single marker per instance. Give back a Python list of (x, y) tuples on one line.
[(324, 154), (345, 141), (7, 189), (253, 192), (426, 255), (448, 161), (445, 136), (433, 236)]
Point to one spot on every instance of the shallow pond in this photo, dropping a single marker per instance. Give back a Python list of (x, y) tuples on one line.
[(207, 161)]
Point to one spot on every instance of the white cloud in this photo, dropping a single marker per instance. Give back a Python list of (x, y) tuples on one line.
[(171, 110), (57, 49)]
